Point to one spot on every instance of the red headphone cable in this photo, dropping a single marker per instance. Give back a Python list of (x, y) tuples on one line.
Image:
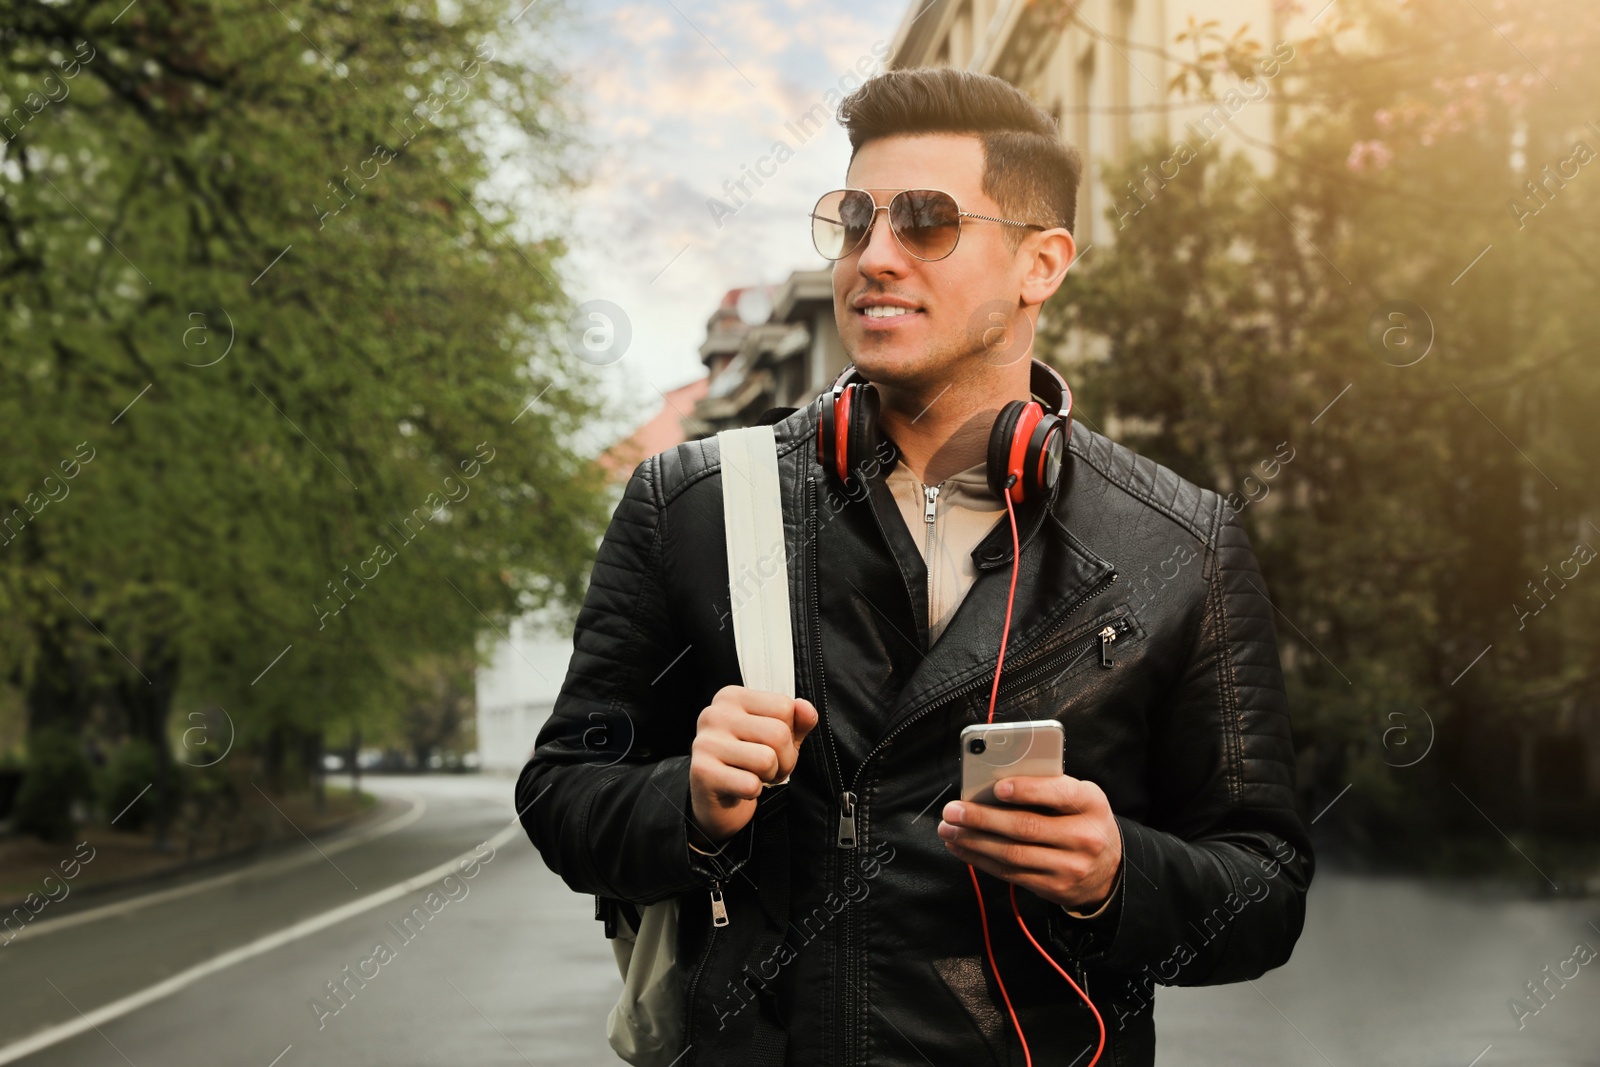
[(1016, 560)]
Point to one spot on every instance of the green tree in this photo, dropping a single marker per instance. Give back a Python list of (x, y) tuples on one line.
[(1443, 454), (283, 402)]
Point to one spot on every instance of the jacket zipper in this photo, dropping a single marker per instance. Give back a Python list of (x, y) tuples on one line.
[(847, 820), (846, 837), (832, 763), (719, 910), (1107, 635), (930, 498), (1104, 637), (849, 797), (719, 918)]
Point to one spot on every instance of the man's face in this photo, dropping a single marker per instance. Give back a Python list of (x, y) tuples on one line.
[(954, 297)]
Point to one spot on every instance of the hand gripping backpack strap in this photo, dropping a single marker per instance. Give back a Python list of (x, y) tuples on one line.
[(647, 1024), (645, 1028), (758, 589)]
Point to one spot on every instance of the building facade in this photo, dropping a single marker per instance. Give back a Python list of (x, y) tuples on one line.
[(783, 361), (1105, 70)]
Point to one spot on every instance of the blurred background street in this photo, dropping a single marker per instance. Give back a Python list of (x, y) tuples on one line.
[(330, 333)]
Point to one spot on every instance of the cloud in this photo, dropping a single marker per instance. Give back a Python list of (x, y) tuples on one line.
[(672, 121), (643, 24), (620, 126)]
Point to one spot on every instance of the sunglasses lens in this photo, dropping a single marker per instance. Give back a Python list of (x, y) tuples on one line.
[(839, 221), (927, 222)]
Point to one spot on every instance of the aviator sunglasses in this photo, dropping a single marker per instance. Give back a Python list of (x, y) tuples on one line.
[(926, 222)]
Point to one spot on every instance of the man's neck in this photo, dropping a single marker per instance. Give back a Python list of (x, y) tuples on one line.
[(943, 434)]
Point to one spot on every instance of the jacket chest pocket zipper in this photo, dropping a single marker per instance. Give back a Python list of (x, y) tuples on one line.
[(1071, 652), (1107, 635)]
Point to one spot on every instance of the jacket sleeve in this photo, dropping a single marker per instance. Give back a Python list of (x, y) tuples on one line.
[(1213, 889), (605, 795)]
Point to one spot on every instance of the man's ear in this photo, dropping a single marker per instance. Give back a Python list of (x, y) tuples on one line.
[(1049, 254)]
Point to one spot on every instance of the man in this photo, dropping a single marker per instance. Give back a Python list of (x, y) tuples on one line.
[(831, 918)]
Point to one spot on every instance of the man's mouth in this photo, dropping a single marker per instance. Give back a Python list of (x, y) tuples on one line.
[(884, 311)]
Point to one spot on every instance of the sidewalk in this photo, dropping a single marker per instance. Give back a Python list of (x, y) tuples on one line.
[(108, 859)]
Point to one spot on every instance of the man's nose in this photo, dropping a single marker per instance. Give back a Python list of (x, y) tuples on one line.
[(882, 252)]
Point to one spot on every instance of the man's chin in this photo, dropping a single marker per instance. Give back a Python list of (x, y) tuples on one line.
[(880, 366), (888, 361)]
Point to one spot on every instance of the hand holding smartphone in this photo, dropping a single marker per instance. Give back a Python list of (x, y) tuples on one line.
[(992, 751)]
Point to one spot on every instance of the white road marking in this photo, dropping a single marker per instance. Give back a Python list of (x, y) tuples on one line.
[(123, 907), (304, 928)]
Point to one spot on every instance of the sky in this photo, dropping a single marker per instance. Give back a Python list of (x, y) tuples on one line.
[(677, 98)]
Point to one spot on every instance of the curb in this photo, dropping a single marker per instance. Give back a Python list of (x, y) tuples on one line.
[(384, 805)]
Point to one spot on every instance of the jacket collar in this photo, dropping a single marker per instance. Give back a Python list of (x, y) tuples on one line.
[(1057, 572)]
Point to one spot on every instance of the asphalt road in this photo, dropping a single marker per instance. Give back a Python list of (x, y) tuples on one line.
[(504, 965), (1395, 972)]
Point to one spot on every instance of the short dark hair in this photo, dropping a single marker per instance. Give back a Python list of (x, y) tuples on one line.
[(1028, 169)]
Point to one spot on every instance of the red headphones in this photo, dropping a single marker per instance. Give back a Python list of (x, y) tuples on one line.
[(1028, 441)]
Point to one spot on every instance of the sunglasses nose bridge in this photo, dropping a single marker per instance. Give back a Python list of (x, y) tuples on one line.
[(866, 235)]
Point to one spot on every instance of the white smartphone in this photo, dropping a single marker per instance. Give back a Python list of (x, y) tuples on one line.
[(992, 751)]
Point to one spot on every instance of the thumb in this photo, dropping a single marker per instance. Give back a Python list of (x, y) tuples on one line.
[(806, 718)]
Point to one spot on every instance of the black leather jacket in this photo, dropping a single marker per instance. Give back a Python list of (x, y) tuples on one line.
[(853, 935)]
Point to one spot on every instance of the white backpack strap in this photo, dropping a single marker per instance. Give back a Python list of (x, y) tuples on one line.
[(758, 572)]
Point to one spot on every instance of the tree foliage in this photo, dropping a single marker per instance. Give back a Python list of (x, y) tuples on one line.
[(1439, 502), (281, 404)]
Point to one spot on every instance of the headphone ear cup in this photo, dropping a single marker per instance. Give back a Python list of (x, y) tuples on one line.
[(825, 424), (1005, 427), (1045, 454), (863, 431)]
